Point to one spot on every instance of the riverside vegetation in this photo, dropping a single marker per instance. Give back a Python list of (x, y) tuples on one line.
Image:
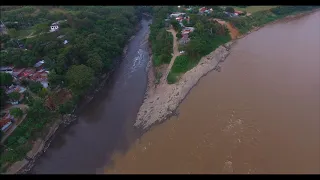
[(208, 35), (96, 36), (207, 48)]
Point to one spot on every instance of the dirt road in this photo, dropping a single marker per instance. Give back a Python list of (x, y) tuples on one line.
[(175, 54)]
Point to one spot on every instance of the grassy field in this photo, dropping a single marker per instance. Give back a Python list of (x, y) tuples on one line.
[(21, 33), (252, 9), (184, 63), (58, 10)]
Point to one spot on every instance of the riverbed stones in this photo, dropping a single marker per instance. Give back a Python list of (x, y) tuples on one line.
[(160, 104)]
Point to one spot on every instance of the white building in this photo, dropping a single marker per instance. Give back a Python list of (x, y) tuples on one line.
[(54, 27), (6, 70), (45, 84), (174, 15)]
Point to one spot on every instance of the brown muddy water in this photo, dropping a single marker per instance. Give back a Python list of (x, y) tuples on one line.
[(260, 114)]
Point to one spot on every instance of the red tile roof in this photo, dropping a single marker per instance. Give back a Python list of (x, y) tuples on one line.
[(203, 9), (39, 76)]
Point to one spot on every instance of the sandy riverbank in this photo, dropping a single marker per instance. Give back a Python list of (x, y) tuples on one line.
[(161, 101)]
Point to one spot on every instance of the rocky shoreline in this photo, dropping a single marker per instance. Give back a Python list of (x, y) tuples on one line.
[(161, 102)]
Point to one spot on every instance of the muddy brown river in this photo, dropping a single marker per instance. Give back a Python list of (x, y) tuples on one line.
[(260, 114)]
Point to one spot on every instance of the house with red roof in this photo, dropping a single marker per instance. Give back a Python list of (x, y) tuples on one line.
[(28, 72), (202, 10), (41, 76), (179, 18), (17, 71)]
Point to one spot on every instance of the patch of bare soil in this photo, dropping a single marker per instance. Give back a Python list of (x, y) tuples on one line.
[(234, 33)]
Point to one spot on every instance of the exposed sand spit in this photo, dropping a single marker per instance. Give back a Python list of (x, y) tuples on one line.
[(161, 102)]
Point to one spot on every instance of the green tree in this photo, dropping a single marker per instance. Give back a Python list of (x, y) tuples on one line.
[(13, 32), (5, 79), (179, 35), (3, 96), (79, 78), (16, 112), (229, 9), (24, 82), (1, 135), (37, 110), (35, 87), (66, 107), (185, 22), (43, 92), (43, 27), (14, 96), (95, 63), (4, 38), (55, 79), (175, 24)]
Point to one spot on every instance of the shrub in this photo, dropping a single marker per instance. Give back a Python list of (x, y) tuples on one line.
[(230, 9), (171, 78), (15, 96), (16, 112), (156, 61), (158, 77), (35, 87), (24, 82), (43, 92), (66, 107), (179, 35)]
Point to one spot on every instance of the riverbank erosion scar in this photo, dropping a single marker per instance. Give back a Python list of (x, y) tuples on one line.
[(161, 102)]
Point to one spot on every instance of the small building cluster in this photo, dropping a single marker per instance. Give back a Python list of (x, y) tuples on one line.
[(185, 34), (235, 14), (6, 121), (55, 26), (186, 30), (37, 73), (205, 10), (177, 14)]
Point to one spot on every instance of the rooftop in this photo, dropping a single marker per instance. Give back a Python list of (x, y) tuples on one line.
[(39, 63)]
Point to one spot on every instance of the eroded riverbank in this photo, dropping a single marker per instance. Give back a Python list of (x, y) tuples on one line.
[(260, 114), (162, 101)]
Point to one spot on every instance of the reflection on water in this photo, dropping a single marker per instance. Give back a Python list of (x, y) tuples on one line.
[(260, 114), (104, 124)]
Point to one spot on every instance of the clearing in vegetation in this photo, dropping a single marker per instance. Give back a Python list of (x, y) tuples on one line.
[(253, 9)]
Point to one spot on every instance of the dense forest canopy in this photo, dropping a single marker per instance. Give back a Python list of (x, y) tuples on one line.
[(95, 35)]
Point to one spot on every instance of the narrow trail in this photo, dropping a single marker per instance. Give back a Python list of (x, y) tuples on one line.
[(175, 54)]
